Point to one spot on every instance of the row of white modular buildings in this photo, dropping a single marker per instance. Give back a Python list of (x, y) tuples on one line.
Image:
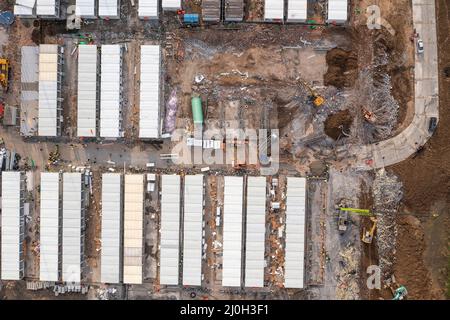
[(182, 241), (99, 90), (91, 9), (274, 10)]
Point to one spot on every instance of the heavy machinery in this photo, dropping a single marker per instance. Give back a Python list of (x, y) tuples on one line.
[(4, 73), (399, 292), (367, 235), (316, 98)]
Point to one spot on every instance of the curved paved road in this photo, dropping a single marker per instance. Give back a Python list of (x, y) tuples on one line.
[(426, 104)]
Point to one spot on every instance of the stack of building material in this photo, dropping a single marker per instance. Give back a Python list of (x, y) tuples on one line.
[(170, 230), (85, 9), (29, 94), (109, 9), (192, 230), (13, 224), (255, 232), (48, 8), (87, 91), (50, 227), (111, 92), (50, 77), (111, 228), (211, 10), (133, 228), (297, 10), (148, 9), (232, 231), (25, 8), (273, 10), (234, 10), (295, 232), (337, 11), (171, 5), (149, 92), (73, 223)]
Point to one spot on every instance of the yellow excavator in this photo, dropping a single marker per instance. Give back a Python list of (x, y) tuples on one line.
[(316, 98), (368, 234), (4, 73)]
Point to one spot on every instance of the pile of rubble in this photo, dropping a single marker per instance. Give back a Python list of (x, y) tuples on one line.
[(348, 274), (387, 193)]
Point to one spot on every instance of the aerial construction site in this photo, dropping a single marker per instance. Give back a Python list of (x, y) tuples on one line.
[(224, 149)]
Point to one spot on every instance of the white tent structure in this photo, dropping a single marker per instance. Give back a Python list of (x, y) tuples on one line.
[(170, 230), (337, 11), (297, 10), (148, 9)]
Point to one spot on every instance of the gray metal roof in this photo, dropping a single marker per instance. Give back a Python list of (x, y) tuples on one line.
[(48, 89), (337, 11), (297, 10), (170, 229), (72, 228), (192, 230), (148, 9), (273, 10), (12, 223), (149, 94), (110, 97), (108, 8), (171, 4), (295, 232), (87, 90), (29, 95), (111, 227), (232, 231), (256, 231), (133, 228), (50, 227), (85, 8)]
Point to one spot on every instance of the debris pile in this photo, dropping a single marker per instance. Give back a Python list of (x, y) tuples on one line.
[(348, 275), (387, 193)]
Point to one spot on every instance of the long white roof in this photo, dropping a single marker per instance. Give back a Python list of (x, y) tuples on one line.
[(170, 229), (47, 7), (50, 227), (12, 223), (192, 230), (171, 4), (149, 101), (255, 233), (111, 227), (87, 90), (85, 8), (108, 8), (72, 227), (337, 11), (148, 9), (48, 90), (232, 231), (273, 9), (295, 232), (133, 228), (110, 100), (297, 10)]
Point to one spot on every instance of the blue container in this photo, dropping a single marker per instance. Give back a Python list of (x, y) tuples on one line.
[(6, 18), (191, 18)]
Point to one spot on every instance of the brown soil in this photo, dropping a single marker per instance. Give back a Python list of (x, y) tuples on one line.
[(427, 192), (342, 68), (338, 122)]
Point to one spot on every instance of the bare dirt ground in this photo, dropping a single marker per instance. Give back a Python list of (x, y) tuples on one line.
[(422, 251)]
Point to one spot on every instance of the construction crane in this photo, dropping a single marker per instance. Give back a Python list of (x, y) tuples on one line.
[(4, 73), (316, 98)]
